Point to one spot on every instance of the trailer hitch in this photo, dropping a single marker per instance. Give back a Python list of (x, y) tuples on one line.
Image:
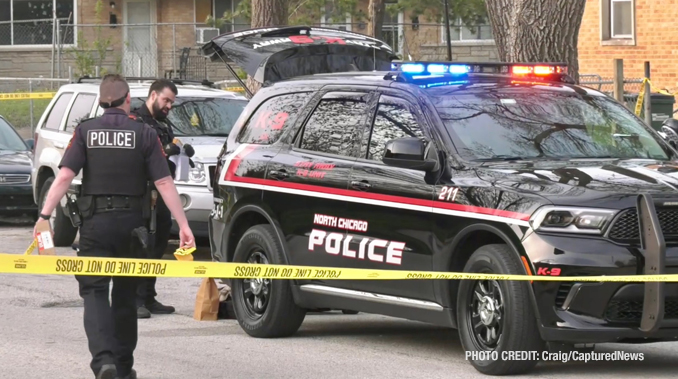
[(654, 248)]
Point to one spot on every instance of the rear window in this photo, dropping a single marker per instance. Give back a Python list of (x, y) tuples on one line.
[(201, 116), (506, 123)]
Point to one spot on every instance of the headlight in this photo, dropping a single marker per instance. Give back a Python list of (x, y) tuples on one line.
[(197, 174), (572, 220)]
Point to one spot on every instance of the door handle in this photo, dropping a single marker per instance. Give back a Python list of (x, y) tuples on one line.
[(58, 145), (282, 174), (360, 185)]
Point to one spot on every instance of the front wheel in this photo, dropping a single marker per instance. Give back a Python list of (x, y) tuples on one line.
[(264, 308), (496, 316)]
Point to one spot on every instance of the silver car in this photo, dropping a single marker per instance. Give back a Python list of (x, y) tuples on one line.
[(201, 116)]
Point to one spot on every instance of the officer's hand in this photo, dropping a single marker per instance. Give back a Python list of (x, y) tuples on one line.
[(189, 150), (172, 149), (186, 238)]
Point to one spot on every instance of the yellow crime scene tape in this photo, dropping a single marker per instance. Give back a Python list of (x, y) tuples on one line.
[(185, 267), (641, 95), (27, 95)]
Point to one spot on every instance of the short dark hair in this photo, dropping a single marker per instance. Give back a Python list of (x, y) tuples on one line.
[(113, 91), (160, 84)]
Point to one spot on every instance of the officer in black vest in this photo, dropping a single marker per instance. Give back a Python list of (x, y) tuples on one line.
[(118, 157), (154, 112)]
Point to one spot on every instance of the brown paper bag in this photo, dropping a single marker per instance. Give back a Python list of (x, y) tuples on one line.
[(207, 301)]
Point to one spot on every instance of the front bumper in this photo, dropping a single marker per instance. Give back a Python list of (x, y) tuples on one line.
[(197, 202), (597, 312), (17, 199)]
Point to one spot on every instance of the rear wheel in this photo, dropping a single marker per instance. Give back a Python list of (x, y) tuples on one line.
[(264, 308), (64, 231), (496, 316)]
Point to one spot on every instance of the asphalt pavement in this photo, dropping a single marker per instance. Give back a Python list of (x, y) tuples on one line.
[(42, 336)]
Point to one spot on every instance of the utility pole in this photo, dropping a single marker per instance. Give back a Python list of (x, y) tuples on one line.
[(447, 30)]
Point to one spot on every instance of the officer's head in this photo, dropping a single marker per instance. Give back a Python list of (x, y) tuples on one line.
[(161, 96), (114, 93)]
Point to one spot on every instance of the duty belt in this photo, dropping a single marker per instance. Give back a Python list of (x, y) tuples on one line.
[(117, 202)]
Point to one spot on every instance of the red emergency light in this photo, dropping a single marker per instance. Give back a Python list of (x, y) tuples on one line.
[(538, 69)]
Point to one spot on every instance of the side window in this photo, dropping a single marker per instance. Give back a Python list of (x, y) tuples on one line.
[(333, 126), (273, 116), (82, 106), (56, 114), (393, 120)]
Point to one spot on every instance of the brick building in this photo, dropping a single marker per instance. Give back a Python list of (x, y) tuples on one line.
[(151, 37), (635, 31)]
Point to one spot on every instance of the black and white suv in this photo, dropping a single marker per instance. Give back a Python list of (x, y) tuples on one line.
[(484, 168)]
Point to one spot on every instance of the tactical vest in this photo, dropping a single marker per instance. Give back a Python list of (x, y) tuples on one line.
[(115, 163)]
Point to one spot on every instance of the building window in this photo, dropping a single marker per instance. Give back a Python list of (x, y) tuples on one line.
[(31, 23), (618, 21), (621, 14), (230, 7), (334, 18), (481, 31)]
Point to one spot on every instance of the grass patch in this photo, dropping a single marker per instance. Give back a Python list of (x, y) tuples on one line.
[(18, 112)]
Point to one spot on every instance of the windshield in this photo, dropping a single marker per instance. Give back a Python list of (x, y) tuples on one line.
[(203, 116), (9, 140), (505, 123)]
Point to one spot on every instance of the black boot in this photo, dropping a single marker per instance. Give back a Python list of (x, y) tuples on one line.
[(142, 312), (107, 372), (156, 307)]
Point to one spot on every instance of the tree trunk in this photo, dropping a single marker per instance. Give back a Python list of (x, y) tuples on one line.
[(537, 30), (375, 13), (266, 13)]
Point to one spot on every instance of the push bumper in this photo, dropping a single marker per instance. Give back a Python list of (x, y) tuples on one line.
[(598, 312), (197, 202)]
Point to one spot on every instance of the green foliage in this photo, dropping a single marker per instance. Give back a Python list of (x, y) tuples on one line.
[(87, 56)]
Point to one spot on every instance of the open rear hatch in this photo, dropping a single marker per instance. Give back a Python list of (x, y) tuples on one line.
[(273, 54)]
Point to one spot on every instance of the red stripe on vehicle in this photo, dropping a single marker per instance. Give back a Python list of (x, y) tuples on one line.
[(235, 162), (390, 198)]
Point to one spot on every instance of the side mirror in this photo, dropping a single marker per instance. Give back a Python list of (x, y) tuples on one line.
[(671, 123), (30, 143), (410, 152)]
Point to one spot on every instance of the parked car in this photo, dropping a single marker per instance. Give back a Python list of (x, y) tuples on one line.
[(201, 116), (16, 197)]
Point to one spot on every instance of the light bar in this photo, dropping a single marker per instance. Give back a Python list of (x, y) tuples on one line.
[(432, 68), (540, 69)]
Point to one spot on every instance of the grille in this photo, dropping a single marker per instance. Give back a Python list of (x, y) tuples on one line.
[(562, 293), (626, 227), (632, 311), (13, 179)]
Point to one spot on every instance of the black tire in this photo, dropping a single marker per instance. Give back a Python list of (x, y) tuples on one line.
[(515, 328), (64, 231), (279, 316)]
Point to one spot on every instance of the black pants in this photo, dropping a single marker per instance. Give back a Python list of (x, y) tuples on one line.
[(111, 327), (146, 290)]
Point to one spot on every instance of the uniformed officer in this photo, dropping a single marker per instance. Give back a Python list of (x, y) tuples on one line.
[(118, 157), (154, 112)]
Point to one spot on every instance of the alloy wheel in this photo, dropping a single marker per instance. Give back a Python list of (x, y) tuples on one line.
[(256, 292), (486, 314)]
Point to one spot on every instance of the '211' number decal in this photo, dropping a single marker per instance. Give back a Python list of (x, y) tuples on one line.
[(448, 193)]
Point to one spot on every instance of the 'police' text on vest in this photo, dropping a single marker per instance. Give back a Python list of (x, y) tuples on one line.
[(113, 139)]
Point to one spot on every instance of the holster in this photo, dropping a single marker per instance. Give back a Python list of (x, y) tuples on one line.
[(85, 206), (140, 243), (73, 211)]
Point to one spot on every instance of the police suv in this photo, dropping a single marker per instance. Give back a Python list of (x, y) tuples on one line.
[(478, 168)]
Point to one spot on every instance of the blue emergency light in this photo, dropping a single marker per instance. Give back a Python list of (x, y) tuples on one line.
[(431, 68)]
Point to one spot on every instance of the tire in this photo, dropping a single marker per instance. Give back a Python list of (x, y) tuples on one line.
[(64, 231), (279, 316), (516, 329)]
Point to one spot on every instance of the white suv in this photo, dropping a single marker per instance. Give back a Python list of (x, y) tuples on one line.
[(201, 116)]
